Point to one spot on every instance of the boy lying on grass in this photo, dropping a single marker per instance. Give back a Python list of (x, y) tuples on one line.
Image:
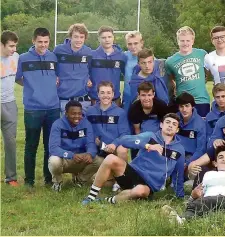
[(207, 196)]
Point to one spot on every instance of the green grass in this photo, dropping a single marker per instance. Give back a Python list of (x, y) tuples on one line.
[(43, 212)]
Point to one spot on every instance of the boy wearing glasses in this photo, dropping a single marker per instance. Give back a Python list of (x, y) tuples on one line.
[(215, 61)]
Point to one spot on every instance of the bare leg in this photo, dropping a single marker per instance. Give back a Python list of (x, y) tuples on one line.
[(122, 152), (111, 166), (140, 191)]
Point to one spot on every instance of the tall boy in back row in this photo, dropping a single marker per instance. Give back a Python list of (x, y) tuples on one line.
[(74, 59), (37, 72), (108, 62), (9, 61), (186, 67)]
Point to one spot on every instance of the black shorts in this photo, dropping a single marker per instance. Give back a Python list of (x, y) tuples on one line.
[(130, 179)]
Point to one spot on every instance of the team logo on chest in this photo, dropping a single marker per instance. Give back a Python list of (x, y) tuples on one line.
[(192, 134), (111, 119), (52, 66), (173, 155), (84, 59), (117, 64), (81, 133)]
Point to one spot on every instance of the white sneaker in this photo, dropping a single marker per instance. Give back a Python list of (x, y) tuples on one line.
[(115, 187), (57, 187), (172, 214)]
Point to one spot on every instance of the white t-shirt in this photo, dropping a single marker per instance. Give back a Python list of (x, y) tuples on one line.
[(8, 73), (216, 65), (214, 183)]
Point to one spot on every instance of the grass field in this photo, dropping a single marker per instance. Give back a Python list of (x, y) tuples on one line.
[(43, 212)]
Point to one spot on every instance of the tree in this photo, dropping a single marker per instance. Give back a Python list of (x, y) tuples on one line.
[(201, 15)]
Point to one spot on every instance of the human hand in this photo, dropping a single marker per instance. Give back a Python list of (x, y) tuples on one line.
[(155, 147), (87, 158), (193, 170), (89, 83), (197, 192), (97, 141), (218, 142), (110, 148)]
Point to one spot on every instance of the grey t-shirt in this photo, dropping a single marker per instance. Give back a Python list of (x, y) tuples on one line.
[(8, 73)]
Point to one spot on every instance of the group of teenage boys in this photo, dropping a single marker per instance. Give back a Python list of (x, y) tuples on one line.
[(164, 116)]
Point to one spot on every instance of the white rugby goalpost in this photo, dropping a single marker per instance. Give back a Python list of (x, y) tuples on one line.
[(95, 31)]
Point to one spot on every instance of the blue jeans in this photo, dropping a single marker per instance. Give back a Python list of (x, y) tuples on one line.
[(34, 121)]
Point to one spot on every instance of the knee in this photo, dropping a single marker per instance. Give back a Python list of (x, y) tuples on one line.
[(140, 191), (122, 152), (98, 161), (111, 160), (54, 163)]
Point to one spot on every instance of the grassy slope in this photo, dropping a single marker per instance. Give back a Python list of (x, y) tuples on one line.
[(42, 212)]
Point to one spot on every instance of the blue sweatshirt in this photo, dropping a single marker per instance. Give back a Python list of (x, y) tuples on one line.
[(218, 132), (153, 167), (65, 141), (109, 124), (72, 69), (193, 136), (211, 119), (107, 68), (155, 78), (39, 79), (129, 68)]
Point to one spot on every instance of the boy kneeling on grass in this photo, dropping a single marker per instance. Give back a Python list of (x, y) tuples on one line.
[(207, 196), (160, 156)]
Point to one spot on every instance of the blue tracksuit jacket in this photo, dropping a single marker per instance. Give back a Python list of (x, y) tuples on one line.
[(39, 78), (107, 68), (129, 68), (193, 136), (109, 124), (72, 69), (218, 132), (155, 78), (211, 119), (153, 167), (65, 140)]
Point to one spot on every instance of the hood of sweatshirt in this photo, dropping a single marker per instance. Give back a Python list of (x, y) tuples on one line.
[(160, 138), (215, 108), (193, 116)]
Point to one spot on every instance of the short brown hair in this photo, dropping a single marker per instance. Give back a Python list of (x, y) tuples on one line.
[(218, 87), (145, 53), (105, 83), (79, 27), (103, 29), (217, 29), (145, 86), (8, 36), (172, 115)]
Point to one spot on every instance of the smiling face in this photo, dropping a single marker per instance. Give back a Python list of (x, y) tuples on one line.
[(146, 98), (41, 44), (169, 126), (74, 115), (105, 95), (218, 40), (77, 40), (185, 43)]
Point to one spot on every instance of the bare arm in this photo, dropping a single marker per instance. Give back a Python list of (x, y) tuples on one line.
[(137, 128)]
